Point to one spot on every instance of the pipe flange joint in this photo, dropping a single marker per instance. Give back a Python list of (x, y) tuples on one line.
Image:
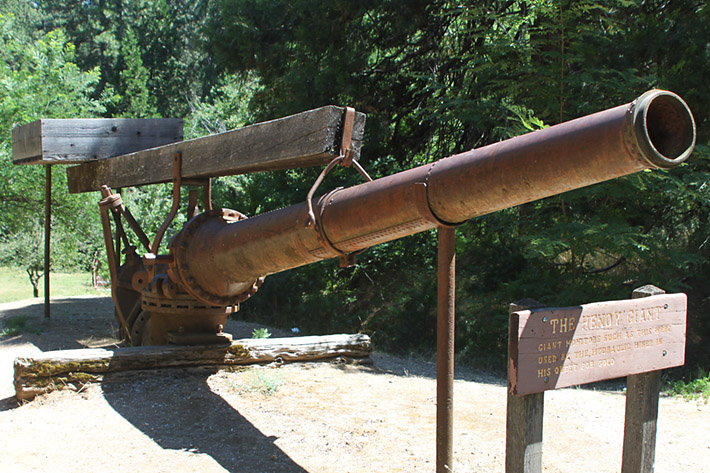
[(179, 248)]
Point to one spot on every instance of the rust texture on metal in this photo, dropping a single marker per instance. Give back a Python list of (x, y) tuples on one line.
[(446, 288), (47, 236), (346, 142), (655, 131), (153, 305), (220, 257), (345, 159)]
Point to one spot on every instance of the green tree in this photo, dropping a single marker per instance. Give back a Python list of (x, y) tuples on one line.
[(134, 76), (40, 80), (25, 18), (436, 78), (148, 51)]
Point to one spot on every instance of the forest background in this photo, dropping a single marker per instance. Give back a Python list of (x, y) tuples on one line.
[(434, 78)]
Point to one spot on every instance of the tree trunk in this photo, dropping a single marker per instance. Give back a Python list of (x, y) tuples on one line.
[(34, 276)]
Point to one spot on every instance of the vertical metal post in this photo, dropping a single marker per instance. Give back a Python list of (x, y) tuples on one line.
[(47, 233), (445, 349)]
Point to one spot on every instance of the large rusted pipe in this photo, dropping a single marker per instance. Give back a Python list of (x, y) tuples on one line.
[(220, 259)]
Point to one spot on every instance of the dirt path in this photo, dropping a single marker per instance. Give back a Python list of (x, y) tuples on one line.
[(315, 418)]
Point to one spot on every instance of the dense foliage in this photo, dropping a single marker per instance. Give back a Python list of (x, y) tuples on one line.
[(40, 79), (441, 77), (435, 78)]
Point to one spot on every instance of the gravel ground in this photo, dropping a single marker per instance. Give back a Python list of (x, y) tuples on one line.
[(314, 417)]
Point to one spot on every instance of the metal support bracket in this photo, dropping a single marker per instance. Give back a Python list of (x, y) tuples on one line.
[(177, 165), (110, 203), (152, 257), (346, 159)]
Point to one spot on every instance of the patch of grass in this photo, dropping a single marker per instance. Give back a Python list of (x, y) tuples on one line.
[(695, 389), (16, 325), (264, 381), (15, 285)]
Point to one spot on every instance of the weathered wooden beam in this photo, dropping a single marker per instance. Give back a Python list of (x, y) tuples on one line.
[(65, 141), (53, 369), (306, 139)]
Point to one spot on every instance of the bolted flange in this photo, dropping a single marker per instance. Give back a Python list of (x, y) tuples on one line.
[(180, 269)]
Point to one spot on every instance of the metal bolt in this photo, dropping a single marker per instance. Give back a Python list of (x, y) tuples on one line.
[(665, 306), (544, 320), (665, 352), (546, 379)]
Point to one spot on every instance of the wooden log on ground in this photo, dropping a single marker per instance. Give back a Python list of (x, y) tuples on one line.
[(74, 140), (306, 139), (52, 370)]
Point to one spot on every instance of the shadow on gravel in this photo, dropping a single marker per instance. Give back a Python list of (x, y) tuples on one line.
[(178, 411), (393, 365), (73, 323), (8, 404)]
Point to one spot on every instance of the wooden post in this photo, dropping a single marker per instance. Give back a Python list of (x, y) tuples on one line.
[(446, 281), (47, 233), (642, 392), (523, 429)]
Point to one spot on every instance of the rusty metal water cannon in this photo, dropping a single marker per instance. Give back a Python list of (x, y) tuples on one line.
[(183, 294)]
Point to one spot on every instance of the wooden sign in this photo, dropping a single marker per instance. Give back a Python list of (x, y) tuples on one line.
[(560, 347), (65, 141)]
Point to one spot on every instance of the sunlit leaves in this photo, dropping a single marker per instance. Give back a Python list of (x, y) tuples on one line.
[(40, 80)]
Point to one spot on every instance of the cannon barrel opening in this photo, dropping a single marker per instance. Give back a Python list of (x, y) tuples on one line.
[(665, 129)]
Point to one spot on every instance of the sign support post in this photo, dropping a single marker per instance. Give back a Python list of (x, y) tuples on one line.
[(552, 348), (642, 392), (523, 427)]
